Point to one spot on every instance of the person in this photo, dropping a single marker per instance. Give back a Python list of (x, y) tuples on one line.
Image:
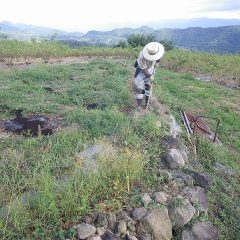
[(145, 70)]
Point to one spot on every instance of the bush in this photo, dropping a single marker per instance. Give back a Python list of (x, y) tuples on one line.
[(121, 44), (140, 40), (168, 45)]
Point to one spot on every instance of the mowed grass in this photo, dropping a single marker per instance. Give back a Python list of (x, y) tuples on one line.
[(204, 98), (44, 187)]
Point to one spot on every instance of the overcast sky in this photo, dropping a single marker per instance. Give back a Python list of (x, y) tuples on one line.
[(84, 15)]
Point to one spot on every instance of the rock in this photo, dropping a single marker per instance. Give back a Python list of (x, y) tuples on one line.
[(160, 197), (169, 142), (173, 159), (180, 211), (131, 225), (158, 224), (94, 237), (222, 169), (200, 231), (145, 236), (122, 228), (167, 176), (197, 196), (89, 155), (129, 209), (175, 186), (139, 213), (85, 230), (110, 236), (145, 200), (202, 179), (112, 221), (175, 129), (188, 179), (101, 220), (123, 215), (100, 231), (132, 237)]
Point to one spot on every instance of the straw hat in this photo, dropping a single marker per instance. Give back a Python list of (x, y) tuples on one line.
[(153, 51)]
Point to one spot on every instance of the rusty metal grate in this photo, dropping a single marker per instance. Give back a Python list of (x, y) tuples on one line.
[(194, 124)]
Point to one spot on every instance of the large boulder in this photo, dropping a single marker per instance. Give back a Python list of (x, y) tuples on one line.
[(200, 231), (158, 224), (173, 159), (197, 196), (180, 211)]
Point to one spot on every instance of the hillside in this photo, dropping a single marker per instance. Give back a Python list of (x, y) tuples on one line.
[(224, 39), (78, 161)]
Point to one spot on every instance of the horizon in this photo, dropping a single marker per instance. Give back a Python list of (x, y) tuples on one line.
[(74, 16), (166, 21)]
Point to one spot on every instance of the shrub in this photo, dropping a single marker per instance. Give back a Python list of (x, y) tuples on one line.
[(140, 40)]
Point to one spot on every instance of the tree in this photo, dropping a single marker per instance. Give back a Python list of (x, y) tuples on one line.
[(140, 40), (120, 44), (168, 45)]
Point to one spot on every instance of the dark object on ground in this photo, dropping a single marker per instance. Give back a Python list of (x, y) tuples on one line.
[(196, 124), (33, 125), (49, 89)]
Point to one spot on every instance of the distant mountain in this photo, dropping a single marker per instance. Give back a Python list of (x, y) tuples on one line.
[(193, 22), (25, 31), (224, 39)]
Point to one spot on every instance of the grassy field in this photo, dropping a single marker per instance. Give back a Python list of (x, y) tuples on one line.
[(47, 169), (201, 98), (49, 172)]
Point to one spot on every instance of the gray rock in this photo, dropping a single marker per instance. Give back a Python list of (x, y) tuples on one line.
[(110, 236), (123, 215), (201, 231), (139, 213), (222, 169), (158, 224), (160, 197), (112, 220), (188, 179), (180, 211), (94, 237), (90, 154), (173, 159), (132, 237), (169, 142), (85, 230), (197, 196), (101, 220), (145, 236), (145, 200), (101, 231), (122, 228), (131, 225), (166, 175), (202, 179)]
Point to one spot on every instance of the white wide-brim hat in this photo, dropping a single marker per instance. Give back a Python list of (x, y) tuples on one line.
[(153, 51)]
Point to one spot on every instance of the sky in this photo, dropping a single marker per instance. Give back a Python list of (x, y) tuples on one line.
[(85, 15)]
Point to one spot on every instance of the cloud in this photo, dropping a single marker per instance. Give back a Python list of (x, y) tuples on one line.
[(220, 5)]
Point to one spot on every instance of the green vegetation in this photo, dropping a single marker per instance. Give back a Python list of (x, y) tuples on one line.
[(222, 68), (45, 188), (140, 40), (201, 98)]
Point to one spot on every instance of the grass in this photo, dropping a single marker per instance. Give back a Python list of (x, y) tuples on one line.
[(223, 68), (44, 187), (201, 98)]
